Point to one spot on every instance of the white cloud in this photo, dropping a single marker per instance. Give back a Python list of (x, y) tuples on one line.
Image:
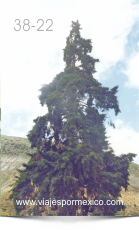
[(123, 139), (21, 125), (118, 123), (137, 103), (30, 59), (132, 71), (16, 133), (110, 22)]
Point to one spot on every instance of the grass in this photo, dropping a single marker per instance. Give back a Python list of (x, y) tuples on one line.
[(134, 169), (15, 145)]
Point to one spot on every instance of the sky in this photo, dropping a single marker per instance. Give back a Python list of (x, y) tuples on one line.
[(32, 58)]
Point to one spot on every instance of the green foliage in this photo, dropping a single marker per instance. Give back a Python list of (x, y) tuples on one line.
[(73, 153)]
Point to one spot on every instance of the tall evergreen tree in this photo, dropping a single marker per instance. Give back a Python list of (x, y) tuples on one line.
[(73, 160)]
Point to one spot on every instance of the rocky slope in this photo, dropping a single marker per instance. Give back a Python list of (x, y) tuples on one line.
[(13, 155)]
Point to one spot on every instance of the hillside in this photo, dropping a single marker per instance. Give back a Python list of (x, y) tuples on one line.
[(15, 145), (13, 155)]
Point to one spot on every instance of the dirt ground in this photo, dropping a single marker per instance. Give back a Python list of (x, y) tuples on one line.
[(9, 166)]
